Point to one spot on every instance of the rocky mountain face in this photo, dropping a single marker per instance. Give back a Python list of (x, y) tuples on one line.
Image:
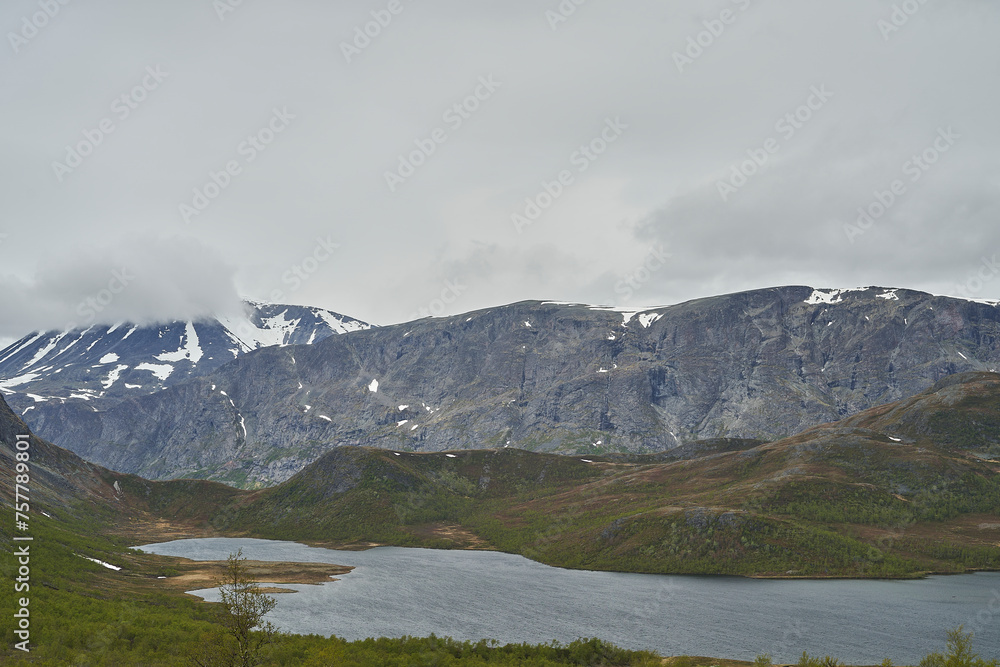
[(95, 368), (553, 377), (65, 488), (57, 477)]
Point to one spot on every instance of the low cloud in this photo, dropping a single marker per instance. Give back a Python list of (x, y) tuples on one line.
[(140, 279)]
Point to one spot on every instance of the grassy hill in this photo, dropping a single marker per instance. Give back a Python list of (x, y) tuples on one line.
[(899, 490)]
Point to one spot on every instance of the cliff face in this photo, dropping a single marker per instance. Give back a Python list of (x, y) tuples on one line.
[(542, 376)]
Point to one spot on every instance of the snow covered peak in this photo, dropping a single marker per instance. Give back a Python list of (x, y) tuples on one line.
[(831, 296), (266, 325), (108, 362)]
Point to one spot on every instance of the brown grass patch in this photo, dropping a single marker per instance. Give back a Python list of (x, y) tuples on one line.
[(206, 574)]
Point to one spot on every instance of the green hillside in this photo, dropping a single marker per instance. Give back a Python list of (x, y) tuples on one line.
[(878, 495)]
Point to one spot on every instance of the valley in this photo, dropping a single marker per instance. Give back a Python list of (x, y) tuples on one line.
[(898, 490)]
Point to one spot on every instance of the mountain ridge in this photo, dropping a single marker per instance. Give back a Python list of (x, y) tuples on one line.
[(544, 376)]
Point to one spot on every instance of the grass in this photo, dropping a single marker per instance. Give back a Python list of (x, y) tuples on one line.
[(736, 511), (85, 614)]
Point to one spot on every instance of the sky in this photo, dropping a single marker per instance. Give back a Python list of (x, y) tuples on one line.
[(392, 159)]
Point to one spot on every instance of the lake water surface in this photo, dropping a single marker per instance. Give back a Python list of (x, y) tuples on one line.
[(483, 594)]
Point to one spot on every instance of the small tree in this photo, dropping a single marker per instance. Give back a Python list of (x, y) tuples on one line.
[(246, 633), (959, 653), (808, 661)]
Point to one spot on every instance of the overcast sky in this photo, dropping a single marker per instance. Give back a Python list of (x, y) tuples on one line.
[(116, 115)]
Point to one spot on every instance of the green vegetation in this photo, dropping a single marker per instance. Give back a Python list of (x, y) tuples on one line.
[(246, 636), (444, 651), (808, 661), (86, 614), (972, 423), (959, 653), (83, 613), (735, 512)]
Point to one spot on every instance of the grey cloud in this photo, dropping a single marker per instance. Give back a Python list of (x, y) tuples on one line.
[(323, 175), (140, 279)]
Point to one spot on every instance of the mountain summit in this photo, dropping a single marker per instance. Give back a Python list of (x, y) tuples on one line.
[(103, 364)]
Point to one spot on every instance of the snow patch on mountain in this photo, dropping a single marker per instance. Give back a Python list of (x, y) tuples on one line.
[(162, 371), (888, 295), (189, 349), (114, 375), (46, 349), (647, 319), (17, 381), (23, 345), (339, 325), (829, 297)]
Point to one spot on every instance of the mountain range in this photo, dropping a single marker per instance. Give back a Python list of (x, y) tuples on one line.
[(899, 490), (540, 376)]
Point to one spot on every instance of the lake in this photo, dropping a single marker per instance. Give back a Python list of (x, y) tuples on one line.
[(474, 595)]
